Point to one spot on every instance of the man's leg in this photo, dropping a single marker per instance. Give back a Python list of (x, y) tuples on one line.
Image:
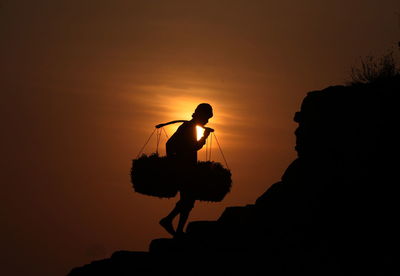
[(186, 207), (167, 221)]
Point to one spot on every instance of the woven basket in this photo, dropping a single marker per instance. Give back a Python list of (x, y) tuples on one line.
[(154, 175), (162, 177)]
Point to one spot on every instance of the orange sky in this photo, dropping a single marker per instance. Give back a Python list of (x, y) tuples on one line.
[(83, 83)]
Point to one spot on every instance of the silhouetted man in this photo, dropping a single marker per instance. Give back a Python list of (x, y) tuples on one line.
[(182, 148)]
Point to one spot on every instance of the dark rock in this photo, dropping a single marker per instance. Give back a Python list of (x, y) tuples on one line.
[(120, 263), (332, 213)]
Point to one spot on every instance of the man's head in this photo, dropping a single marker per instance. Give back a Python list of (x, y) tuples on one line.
[(202, 113)]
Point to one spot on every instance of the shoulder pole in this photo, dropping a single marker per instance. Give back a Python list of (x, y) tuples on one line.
[(172, 122)]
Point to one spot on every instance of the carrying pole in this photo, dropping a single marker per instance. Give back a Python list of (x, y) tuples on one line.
[(172, 122)]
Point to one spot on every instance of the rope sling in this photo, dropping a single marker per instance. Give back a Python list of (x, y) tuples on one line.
[(160, 176)]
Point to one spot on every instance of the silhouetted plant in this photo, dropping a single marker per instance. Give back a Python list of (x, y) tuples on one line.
[(375, 69)]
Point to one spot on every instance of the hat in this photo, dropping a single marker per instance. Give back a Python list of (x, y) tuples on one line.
[(204, 109)]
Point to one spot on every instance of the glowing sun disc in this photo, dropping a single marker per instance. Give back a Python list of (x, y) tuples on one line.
[(200, 132)]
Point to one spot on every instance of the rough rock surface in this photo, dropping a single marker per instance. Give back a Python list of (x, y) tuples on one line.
[(334, 212)]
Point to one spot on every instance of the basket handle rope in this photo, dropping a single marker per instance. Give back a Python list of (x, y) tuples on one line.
[(148, 139), (159, 133), (209, 156), (220, 149), (208, 148), (166, 135)]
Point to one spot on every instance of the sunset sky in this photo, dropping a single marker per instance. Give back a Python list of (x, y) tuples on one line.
[(83, 83)]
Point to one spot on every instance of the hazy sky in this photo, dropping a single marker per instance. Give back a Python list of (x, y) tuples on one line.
[(83, 83)]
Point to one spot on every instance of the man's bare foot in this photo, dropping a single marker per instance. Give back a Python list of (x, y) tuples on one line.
[(167, 224)]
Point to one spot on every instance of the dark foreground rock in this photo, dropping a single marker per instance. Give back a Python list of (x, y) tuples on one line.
[(334, 212)]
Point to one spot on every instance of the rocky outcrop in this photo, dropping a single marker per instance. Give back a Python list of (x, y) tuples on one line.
[(334, 211)]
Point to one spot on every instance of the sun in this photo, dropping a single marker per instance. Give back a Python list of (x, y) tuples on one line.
[(200, 132)]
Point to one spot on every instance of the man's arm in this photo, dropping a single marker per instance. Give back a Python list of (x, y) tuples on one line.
[(203, 139)]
